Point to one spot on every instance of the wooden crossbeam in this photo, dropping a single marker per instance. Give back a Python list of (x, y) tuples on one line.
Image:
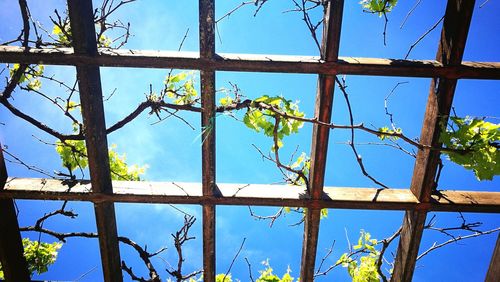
[(14, 264), (253, 63), (207, 77), (319, 148), (89, 85), (451, 47), (245, 194)]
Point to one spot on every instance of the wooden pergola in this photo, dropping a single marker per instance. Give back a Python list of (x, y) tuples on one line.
[(417, 201)]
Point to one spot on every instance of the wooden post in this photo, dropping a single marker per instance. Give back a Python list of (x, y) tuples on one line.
[(451, 47), (89, 85), (323, 111), (493, 274), (208, 126), (14, 264)]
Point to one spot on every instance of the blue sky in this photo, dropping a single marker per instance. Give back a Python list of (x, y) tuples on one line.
[(172, 150)]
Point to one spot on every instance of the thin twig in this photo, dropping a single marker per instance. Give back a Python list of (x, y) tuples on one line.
[(27, 166), (386, 103), (230, 12), (272, 218), (234, 258), (409, 13), (329, 252), (456, 239), (423, 36), (342, 88), (249, 270), (484, 3)]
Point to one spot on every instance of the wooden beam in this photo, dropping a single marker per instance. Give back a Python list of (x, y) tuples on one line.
[(208, 126), (14, 264), (245, 194), (451, 47), (319, 148), (493, 274), (252, 63), (324, 98), (89, 85), (310, 243)]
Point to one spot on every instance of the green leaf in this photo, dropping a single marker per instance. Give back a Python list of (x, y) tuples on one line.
[(30, 77), (262, 98), (73, 154), (226, 101), (287, 277), (267, 274), (263, 113), (56, 30), (39, 255), (72, 105), (180, 88), (254, 119), (119, 168), (351, 267), (223, 278), (299, 161), (34, 84), (62, 37), (362, 265), (385, 133), (104, 41), (378, 6), (324, 213), (367, 236), (471, 144)]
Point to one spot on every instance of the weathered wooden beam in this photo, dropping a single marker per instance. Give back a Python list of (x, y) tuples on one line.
[(208, 125), (89, 85), (493, 274), (14, 264), (252, 63), (330, 45), (251, 194), (324, 98), (451, 48)]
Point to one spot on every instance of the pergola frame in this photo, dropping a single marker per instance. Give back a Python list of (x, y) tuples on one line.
[(416, 201)]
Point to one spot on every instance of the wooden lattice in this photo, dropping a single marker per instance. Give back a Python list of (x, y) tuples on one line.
[(416, 201)]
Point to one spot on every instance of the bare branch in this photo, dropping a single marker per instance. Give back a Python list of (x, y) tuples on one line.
[(342, 88), (386, 103), (230, 12), (180, 238), (129, 271), (385, 244), (456, 239), (328, 253), (17, 160), (144, 255), (271, 218), (16, 76)]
